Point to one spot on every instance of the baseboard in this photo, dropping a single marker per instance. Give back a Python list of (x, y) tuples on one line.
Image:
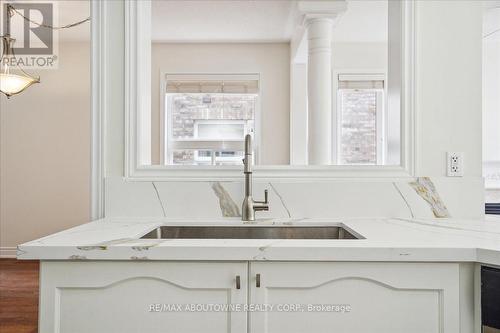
[(8, 252)]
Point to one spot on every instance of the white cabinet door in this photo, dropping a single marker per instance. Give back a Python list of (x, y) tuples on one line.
[(138, 297), (376, 297)]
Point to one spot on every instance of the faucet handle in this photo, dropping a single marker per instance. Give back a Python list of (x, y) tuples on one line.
[(266, 195)]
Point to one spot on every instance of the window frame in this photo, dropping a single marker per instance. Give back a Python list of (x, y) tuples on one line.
[(371, 74), (137, 104), (166, 126), (380, 122)]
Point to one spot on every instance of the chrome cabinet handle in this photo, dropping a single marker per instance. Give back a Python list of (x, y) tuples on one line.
[(257, 280), (238, 282)]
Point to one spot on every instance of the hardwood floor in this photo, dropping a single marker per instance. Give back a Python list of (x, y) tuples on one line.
[(18, 296)]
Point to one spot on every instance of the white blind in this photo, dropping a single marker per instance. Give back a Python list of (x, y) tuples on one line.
[(361, 81), (213, 83)]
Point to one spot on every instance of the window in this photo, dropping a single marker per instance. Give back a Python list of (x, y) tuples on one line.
[(360, 119), (207, 118)]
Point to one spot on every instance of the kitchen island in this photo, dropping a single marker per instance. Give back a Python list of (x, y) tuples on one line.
[(411, 275)]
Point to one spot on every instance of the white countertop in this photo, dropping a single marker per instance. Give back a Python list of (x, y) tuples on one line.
[(405, 240)]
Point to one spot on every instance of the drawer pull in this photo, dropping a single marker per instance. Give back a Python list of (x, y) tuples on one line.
[(238, 282), (257, 280)]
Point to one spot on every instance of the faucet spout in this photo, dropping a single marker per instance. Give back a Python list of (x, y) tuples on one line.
[(250, 206), (247, 161)]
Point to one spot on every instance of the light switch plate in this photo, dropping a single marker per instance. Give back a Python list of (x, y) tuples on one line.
[(455, 164)]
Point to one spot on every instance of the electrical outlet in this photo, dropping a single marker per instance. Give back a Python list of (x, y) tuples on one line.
[(455, 164)]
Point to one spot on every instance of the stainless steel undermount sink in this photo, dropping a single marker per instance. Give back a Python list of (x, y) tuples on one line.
[(251, 232)]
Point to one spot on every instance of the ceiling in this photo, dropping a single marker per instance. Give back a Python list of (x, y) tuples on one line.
[(231, 20), (257, 21), (66, 12), (364, 21), (222, 20)]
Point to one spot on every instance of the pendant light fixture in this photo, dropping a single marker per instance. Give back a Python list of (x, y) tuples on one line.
[(13, 79)]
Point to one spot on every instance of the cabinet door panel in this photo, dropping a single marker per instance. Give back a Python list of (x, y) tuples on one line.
[(142, 297), (371, 297)]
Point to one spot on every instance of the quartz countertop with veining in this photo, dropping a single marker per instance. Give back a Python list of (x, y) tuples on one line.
[(391, 239)]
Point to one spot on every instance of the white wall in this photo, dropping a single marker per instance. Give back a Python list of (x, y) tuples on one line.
[(270, 60), (491, 100), (359, 56), (45, 151), (298, 114), (491, 103), (448, 89)]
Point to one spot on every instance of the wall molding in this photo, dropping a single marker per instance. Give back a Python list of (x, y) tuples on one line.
[(137, 84), (8, 252), (98, 113), (137, 64)]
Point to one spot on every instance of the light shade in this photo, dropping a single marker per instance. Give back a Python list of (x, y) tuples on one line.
[(11, 84), (13, 79)]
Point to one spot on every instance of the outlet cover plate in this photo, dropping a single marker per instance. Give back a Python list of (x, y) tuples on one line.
[(455, 164)]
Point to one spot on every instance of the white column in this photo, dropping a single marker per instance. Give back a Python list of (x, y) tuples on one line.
[(319, 87)]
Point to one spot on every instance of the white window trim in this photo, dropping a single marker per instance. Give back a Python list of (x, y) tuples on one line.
[(99, 81), (382, 127), (137, 16)]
